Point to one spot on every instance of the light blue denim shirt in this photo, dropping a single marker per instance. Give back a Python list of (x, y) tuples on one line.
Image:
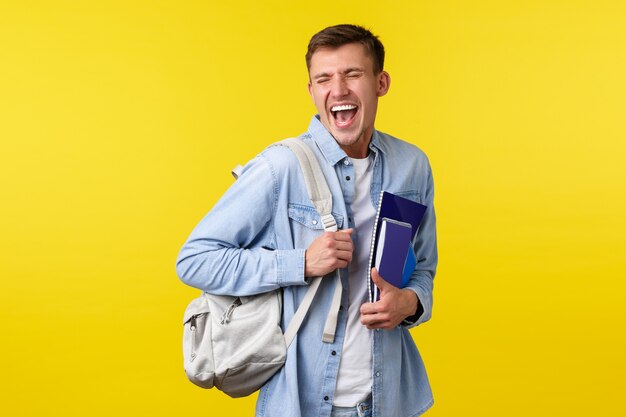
[(254, 239)]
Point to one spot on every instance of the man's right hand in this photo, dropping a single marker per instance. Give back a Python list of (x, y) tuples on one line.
[(328, 252)]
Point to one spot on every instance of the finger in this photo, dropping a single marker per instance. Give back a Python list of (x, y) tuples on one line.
[(368, 308), (344, 235), (369, 319), (375, 321), (346, 246), (342, 263), (379, 281), (344, 256), (385, 325)]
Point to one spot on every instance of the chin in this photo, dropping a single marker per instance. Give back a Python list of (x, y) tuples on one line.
[(345, 139)]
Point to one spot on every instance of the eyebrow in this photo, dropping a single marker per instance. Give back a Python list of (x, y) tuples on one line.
[(346, 71), (354, 69)]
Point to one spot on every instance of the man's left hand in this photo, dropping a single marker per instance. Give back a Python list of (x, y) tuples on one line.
[(394, 306)]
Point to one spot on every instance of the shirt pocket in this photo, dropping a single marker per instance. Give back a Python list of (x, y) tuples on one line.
[(306, 224)]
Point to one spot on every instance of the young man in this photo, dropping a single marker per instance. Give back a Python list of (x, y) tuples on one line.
[(264, 234)]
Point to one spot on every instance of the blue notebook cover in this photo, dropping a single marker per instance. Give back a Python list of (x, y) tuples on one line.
[(398, 208), (392, 248), (409, 266)]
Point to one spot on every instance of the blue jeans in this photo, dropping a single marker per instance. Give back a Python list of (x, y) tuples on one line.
[(362, 409)]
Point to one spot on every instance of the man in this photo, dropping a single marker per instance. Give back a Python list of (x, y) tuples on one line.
[(264, 234)]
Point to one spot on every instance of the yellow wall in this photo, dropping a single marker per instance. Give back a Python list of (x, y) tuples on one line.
[(120, 121)]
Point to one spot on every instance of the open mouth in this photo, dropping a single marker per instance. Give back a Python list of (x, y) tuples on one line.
[(344, 114)]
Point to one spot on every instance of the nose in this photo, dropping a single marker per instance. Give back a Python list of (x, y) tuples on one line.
[(339, 88)]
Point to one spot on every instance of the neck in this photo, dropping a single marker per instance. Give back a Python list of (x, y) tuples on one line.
[(354, 152)]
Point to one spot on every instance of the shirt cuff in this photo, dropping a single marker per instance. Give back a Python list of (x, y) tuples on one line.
[(411, 320), (290, 267)]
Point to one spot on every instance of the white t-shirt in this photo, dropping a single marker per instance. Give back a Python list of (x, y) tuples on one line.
[(354, 381)]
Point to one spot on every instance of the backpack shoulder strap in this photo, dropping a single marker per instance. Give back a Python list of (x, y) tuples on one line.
[(322, 199), (316, 184)]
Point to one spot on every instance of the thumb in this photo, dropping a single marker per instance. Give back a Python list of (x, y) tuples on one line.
[(379, 281)]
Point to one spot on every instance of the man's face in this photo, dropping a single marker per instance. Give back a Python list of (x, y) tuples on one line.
[(345, 92)]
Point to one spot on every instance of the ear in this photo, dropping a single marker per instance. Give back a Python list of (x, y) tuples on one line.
[(384, 81), (309, 86)]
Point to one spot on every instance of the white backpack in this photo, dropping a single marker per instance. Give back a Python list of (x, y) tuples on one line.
[(236, 343)]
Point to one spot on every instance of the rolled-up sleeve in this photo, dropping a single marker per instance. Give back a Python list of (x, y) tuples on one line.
[(425, 247)]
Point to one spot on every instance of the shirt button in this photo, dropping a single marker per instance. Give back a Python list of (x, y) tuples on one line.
[(334, 352), (314, 222), (325, 397), (346, 161), (347, 178), (377, 373)]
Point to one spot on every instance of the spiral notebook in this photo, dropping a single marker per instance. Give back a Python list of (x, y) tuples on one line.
[(397, 222)]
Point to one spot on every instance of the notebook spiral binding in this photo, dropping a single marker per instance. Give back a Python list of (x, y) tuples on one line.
[(372, 243)]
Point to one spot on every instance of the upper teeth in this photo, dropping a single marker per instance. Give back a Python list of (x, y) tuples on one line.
[(344, 107)]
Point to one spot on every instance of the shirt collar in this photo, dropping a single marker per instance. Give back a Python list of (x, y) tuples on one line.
[(377, 143), (329, 146)]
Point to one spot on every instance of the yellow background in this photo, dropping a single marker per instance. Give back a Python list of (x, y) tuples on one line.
[(120, 122)]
